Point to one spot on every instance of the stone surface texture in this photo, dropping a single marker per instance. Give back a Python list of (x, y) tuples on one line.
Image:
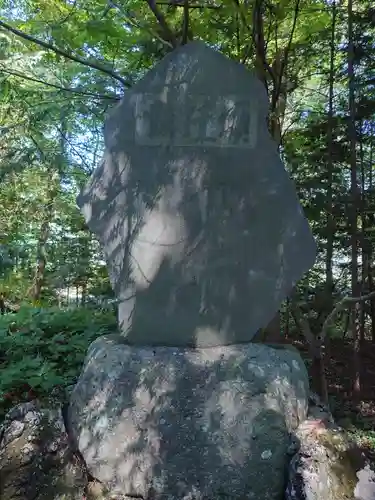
[(178, 423), (327, 465), (36, 461), (200, 224)]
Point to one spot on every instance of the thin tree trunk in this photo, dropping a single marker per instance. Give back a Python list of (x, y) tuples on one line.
[(260, 45), (2, 304), (347, 324), (353, 209), (317, 370), (272, 332), (329, 206), (287, 319), (53, 181), (370, 252), (36, 289), (363, 236), (372, 302), (41, 262), (278, 97)]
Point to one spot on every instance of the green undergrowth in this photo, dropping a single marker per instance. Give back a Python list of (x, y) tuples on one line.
[(360, 428), (42, 350), (362, 432), (365, 438)]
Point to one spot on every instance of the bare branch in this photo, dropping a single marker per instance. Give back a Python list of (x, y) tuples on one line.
[(63, 53), (316, 342), (72, 11), (64, 89), (303, 324), (163, 23), (338, 308), (132, 19), (74, 149), (191, 6), (38, 147)]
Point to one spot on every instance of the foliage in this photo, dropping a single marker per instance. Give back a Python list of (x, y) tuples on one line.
[(43, 349)]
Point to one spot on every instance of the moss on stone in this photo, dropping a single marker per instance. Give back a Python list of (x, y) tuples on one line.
[(344, 460)]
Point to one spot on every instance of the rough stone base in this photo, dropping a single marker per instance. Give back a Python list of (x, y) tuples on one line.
[(36, 461), (180, 423)]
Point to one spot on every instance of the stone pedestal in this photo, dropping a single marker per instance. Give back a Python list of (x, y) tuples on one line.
[(185, 423)]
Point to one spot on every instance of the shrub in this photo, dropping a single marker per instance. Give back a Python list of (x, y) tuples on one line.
[(43, 350)]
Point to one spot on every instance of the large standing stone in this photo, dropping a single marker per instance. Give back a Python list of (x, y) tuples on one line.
[(179, 423), (200, 224)]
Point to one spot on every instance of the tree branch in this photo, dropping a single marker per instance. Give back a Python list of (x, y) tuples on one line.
[(172, 3), (338, 308), (303, 324), (74, 149), (63, 53), (132, 19), (316, 342), (163, 23), (64, 89)]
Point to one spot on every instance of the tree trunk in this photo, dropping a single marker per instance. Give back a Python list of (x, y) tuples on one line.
[(329, 206), (370, 249), (41, 263), (53, 188), (287, 319), (318, 377), (353, 208), (260, 45), (365, 260), (278, 97), (2, 304), (317, 372)]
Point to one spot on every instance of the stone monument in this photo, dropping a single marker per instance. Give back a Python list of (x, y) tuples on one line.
[(200, 223), (204, 237)]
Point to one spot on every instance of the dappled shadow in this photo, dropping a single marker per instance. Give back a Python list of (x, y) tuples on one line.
[(200, 224), (172, 423)]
